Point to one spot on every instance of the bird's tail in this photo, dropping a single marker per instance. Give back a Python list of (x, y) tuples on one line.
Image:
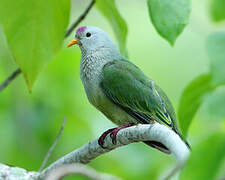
[(163, 148), (158, 145)]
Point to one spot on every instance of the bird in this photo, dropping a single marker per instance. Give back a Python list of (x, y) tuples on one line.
[(118, 88)]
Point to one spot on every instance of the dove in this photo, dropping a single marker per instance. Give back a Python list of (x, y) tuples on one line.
[(118, 88)]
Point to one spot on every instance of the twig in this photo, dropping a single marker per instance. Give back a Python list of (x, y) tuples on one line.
[(80, 169), (53, 146), (150, 132), (173, 172), (71, 28), (80, 18), (9, 79)]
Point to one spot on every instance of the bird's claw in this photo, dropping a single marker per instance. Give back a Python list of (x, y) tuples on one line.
[(113, 133), (101, 139)]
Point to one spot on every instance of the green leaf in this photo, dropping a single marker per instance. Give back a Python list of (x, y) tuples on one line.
[(194, 93), (5, 53), (215, 104), (191, 100), (216, 51), (217, 10), (169, 17), (206, 159), (109, 10), (35, 31)]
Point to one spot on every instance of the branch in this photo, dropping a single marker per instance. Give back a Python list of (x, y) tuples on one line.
[(71, 28), (144, 132), (150, 132), (173, 172), (9, 79), (13, 173), (80, 169), (53, 146), (80, 18)]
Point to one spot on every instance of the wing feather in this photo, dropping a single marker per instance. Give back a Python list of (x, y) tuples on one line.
[(128, 87)]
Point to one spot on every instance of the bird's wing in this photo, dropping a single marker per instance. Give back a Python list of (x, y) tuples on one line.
[(129, 88)]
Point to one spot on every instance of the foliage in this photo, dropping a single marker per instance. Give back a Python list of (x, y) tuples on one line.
[(42, 25), (169, 17), (4, 50), (217, 10), (194, 93), (216, 46), (204, 163), (109, 10), (32, 33), (192, 97)]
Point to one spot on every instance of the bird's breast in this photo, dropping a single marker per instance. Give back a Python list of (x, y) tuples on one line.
[(99, 100), (91, 74)]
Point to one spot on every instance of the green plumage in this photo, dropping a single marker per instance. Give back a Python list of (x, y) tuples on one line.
[(129, 88), (119, 89)]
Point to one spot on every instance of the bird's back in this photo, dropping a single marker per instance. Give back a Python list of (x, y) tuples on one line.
[(131, 90)]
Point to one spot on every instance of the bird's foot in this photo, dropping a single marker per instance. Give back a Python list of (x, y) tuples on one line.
[(113, 132), (101, 139)]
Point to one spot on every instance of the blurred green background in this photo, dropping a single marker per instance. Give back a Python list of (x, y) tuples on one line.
[(29, 122)]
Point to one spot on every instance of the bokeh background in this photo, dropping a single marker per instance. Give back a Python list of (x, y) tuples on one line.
[(29, 122)]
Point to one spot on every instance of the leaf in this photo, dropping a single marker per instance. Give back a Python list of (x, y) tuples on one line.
[(35, 31), (169, 17), (193, 94), (191, 100), (109, 10), (216, 51), (217, 10), (215, 104), (5, 53), (205, 159)]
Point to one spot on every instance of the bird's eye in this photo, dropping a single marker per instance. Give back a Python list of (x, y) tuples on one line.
[(88, 34)]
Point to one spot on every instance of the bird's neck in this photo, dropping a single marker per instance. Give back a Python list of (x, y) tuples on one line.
[(92, 62)]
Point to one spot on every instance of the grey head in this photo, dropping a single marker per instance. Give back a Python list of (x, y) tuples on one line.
[(97, 49), (91, 39)]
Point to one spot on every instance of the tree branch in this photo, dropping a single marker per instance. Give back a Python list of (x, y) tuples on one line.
[(150, 132), (173, 172), (80, 18), (80, 169), (71, 28), (13, 173), (53, 146), (144, 132), (9, 79)]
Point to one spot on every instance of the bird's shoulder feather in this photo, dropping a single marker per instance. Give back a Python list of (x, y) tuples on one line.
[(128, 87)]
